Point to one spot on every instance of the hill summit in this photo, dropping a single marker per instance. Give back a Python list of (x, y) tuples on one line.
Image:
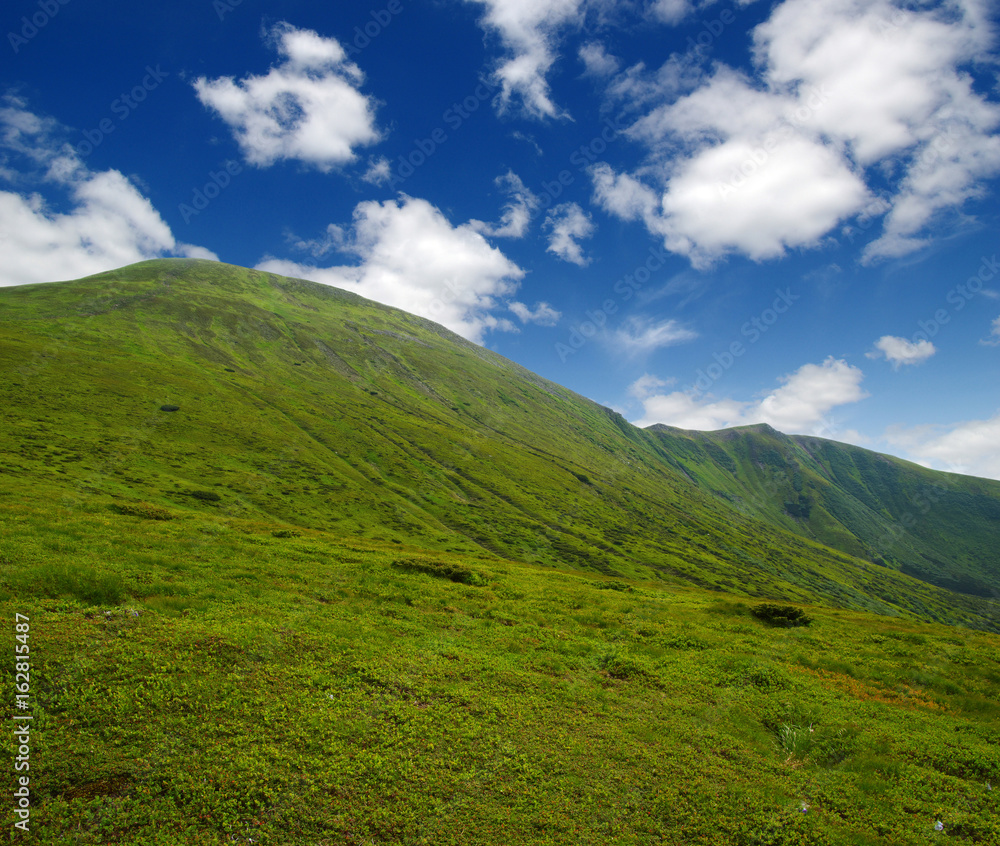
[(189, 384), (287, 566)]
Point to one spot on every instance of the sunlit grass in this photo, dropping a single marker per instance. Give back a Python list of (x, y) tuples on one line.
[(372, 584), (294, 689)]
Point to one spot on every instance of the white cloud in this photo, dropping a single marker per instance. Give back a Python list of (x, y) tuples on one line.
[(809, 393), (899, 351), (795, 195), (647, 384), (516, 215), (625, 196), (685, 412), (896, 91), (799, 406), (543, 314), (333, 238), (969, 447), (529, 31), (640, 335), (597, 61), (107, 223), (994, 338), (196, 252), (411, 257), (568, 224), (671, 11), (848, 94), (307, 108), (527, 139), (379, 171)]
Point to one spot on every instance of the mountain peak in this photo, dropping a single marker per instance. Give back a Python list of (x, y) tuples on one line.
[(302, 403)]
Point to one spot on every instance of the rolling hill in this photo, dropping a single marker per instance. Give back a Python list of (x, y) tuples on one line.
[(938, 527), (295, 567), (304, 404)]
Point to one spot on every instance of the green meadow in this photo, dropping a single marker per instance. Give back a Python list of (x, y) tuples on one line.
[(300, 568)]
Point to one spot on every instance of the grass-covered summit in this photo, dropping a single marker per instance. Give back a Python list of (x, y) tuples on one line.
[(305, 405), (301, 568)]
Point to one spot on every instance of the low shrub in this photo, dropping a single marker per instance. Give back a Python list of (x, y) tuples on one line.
[(685, 641), (783, 616), (205, 496), (441, 570), (613, 586)]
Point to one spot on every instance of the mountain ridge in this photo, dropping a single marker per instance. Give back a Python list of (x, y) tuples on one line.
[(311, 406)]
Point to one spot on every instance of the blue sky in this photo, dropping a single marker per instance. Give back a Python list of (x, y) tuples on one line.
[(699, 213)]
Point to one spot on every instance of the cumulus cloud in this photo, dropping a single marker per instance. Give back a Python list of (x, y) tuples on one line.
[(597, 61), (543, 314), (899, 351), (854, 107), (641, 335), (799, 406), (686, 412), (671, 11), (994, 339), (969, 447), (568, 223), (647, 384), (307, 108), (624, 195), (809, 393), (516, 214), (529, 31), (106, 222), (411, 257), (379, 171)]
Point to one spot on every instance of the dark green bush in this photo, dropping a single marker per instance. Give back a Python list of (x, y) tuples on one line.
[(784, 616), (685, 641), (205, 496), (613, 586), (441, 570)]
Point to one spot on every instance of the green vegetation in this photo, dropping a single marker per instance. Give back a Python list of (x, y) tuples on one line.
[(302, 690), (781, 615), (370, 583), (938, 527)]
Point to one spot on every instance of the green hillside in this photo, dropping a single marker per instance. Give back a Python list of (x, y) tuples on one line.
[(295, 567), (939, 527), (303, 404)]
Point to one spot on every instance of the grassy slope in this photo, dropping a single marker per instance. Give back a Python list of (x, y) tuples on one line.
[(940, 527), (284, 690), (303, 404), (283, 665)]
